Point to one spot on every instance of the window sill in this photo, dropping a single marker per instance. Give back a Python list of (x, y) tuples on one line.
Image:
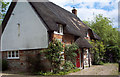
[(58, 33), (13, 58)]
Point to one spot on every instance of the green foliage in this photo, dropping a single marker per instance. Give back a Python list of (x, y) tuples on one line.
[(110, 37), (68, 65), (112, 54), (3, 8), (87, 23), (59, 73), (4, 65), (53, 54), (101, 62), (70, 53), (102, 26), (97, 51)]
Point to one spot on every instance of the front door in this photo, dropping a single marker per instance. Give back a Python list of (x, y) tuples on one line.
[(78, 60)]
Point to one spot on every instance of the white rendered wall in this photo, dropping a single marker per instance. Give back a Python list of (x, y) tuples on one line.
[(31, 34)]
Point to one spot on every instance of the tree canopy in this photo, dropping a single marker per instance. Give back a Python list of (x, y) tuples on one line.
[(3, 9), (102, 26), (110, 48)]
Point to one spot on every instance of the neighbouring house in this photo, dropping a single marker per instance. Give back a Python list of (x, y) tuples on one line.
[(28, 27)]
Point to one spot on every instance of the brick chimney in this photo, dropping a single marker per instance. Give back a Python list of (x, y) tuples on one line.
[(74, 11)]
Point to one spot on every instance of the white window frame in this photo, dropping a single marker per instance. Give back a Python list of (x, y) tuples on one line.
[(12, 54), (87, 35), (60, 31)]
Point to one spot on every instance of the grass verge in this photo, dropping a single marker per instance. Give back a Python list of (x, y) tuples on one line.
[(59, 73)]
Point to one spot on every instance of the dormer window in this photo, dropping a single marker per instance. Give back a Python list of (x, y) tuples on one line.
[(60, 30), (87, 34)]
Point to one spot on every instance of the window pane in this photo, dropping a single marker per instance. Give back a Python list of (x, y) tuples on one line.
[(16, 53), (13, 55), (9, 54)]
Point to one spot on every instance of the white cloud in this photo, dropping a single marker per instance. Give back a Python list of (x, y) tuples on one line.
[(87, 14)]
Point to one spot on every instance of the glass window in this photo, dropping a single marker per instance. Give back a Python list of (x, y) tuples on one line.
[(16, 53), (60, 30), (13, 54), (9, 54)]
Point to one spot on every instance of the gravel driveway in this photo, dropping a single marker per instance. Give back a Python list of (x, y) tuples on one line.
[(107, 69)]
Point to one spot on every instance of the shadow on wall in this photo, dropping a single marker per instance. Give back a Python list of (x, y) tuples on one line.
[(38, 63)]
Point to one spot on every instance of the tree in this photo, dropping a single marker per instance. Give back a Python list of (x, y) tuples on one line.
[(97, 51), (102, 26), (112, 54), (3, 9)]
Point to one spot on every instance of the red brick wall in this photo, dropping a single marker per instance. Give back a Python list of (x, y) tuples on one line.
[(57, 36), (21, 63), (68, 39)]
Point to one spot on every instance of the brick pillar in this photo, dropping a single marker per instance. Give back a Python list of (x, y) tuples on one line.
[(89, 57)]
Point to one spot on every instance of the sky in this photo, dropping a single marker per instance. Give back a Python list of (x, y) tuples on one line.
[(88, 9)]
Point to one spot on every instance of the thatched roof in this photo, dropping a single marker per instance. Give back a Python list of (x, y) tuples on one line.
[(83, 43), (93, 35), (51, 14)]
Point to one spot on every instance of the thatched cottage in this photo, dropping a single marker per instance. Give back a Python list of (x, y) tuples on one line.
[(29, 27)]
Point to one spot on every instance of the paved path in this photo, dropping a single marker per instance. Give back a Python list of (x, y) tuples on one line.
[(107, 69)]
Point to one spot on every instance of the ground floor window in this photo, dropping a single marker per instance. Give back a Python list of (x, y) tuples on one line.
[(13, 54)]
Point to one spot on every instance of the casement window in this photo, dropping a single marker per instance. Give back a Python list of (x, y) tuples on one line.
[(87, 35), (13, 54), (60, 30)]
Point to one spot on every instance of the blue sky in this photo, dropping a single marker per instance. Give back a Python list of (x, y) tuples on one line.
[(87, 9)]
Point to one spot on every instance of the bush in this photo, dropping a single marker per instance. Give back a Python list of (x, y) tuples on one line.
[(68, 65), (112, 54), (101, 63), (58, 73), (70, 52), (53, 54), (4, 65), (97, 52)]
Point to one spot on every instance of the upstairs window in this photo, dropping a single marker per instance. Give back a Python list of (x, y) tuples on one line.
[(60, 30), (13, 54)]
